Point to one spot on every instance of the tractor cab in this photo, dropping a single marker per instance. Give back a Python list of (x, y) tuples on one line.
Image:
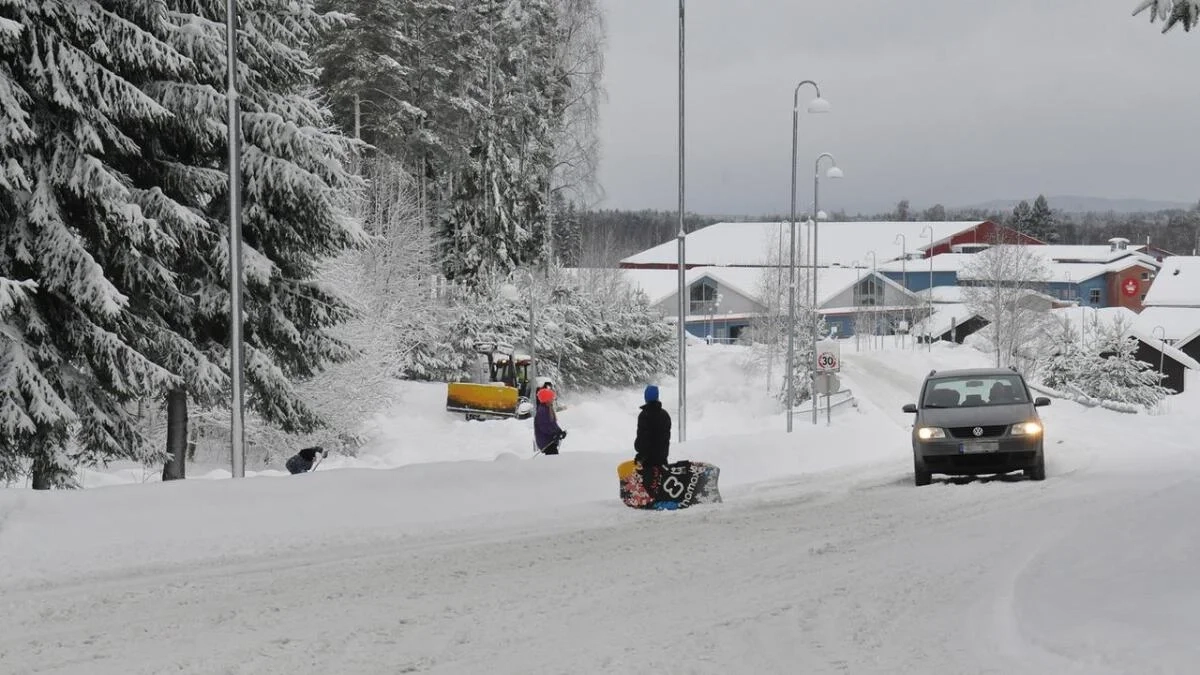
[(502, 388)]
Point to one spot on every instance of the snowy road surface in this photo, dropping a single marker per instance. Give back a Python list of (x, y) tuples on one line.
[(1088, 573), (832, 570)]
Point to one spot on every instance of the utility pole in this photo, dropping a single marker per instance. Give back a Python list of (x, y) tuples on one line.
[(237, 427)]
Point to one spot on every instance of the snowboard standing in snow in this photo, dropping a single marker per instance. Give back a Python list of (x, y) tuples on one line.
[(670, 487)]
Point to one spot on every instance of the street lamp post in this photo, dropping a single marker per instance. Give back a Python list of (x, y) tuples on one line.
[(874, 306), (857, 305), (834, 172), (1162, 346), (928, 337), (237, 427), (682, 422), (904, 274), (817, 105)]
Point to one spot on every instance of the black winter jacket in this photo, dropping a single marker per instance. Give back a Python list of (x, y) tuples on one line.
[(653, 435)]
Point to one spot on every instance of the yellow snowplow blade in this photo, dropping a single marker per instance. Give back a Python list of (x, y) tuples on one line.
[(625, 469), (487, 399)]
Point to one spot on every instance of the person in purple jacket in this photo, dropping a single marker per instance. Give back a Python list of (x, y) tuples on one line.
[(546, 432)]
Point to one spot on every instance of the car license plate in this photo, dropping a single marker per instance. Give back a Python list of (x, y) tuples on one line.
[(976, 447)]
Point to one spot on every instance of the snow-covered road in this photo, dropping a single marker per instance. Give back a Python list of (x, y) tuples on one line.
[(844, 569), (1091, 574)]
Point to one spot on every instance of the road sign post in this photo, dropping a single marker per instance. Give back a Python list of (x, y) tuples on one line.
[(828, 362)]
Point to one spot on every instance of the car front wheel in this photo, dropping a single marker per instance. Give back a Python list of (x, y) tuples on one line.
[(1037, 471), (921, 476)]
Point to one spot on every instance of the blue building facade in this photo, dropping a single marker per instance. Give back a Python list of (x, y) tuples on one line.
[(916, 280)]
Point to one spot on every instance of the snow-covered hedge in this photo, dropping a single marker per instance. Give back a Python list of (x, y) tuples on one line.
[(592, 331)]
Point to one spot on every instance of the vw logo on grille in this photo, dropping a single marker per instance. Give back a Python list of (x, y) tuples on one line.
[(978, 431)]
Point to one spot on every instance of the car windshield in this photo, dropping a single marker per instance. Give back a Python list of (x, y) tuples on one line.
[(970, 392)]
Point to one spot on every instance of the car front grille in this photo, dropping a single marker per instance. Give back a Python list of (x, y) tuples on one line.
[(990, 431)]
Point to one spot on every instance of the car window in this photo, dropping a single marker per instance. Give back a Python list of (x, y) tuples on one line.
[(969, 392)]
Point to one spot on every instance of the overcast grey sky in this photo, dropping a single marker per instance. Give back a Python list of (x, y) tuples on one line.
[(952, 101)]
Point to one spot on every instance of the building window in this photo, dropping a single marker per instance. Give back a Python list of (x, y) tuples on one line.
[(703, 297), (1145, 276), (1143, 297), (1094, 296)]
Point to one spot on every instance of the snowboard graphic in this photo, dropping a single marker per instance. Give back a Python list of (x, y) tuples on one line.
[(671, 487)]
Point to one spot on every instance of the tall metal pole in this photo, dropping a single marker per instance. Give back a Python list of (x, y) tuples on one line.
[(791, 351), (815, 234), (928, 317), (237, 419), (904, 280), (790, 370), (532, 349), (682, 425)]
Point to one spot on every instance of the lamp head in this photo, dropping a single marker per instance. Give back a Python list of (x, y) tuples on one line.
[(834, 172), (818, 105)]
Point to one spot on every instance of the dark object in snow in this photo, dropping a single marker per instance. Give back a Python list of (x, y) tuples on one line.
[(303, 461), (546, 431), (669, 487)]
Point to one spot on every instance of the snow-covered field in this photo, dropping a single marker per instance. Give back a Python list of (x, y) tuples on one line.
[(823, 558)]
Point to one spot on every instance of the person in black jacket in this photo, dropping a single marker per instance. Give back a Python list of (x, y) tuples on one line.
[(302, 462), (653, 431)]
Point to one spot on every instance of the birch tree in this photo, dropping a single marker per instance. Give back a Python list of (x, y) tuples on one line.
[(1004, 285)]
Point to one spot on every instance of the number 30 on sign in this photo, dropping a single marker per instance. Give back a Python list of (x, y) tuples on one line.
[(829, 357)]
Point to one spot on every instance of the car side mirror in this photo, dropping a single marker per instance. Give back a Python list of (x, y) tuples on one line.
[(1041, 401), (910, 407)]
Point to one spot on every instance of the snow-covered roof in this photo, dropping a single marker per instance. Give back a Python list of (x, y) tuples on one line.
[(943, 318), (1087, 253), (1108, 317), (942, 262), (1177, 283), (943, 294), (1179, 324), (1060, 272), (731, 244), (831, 281)]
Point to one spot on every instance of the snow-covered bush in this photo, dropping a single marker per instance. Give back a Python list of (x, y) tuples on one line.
[(1106, 368), (1114, 373), (587, 333)]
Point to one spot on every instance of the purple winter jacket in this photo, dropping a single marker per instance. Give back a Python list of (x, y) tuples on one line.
[(545, 426)]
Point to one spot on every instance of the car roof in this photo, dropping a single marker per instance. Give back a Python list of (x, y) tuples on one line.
[(971, 372)]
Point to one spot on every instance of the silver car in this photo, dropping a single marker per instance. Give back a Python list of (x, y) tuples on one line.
[(977, 421)]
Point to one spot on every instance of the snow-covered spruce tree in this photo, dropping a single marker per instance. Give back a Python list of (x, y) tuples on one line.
[(400, 74), (495, 219), (805, 357), (1113, 372), (1064, 358), (295, 199), (1185, 13), (89, 339)]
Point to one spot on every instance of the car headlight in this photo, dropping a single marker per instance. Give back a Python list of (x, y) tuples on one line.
[(1026, 429), (928, 433)]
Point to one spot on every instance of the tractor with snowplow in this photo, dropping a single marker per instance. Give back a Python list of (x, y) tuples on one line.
[(501, 389)]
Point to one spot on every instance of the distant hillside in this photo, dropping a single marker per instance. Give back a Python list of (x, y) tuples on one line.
[(1074, 204)]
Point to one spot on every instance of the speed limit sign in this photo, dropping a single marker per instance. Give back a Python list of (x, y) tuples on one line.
[(829, 357)]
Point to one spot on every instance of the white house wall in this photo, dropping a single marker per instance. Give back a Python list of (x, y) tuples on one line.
[(892, 296), (732, 301)]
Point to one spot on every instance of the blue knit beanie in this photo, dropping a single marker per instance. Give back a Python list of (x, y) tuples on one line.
[(651, 393)]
